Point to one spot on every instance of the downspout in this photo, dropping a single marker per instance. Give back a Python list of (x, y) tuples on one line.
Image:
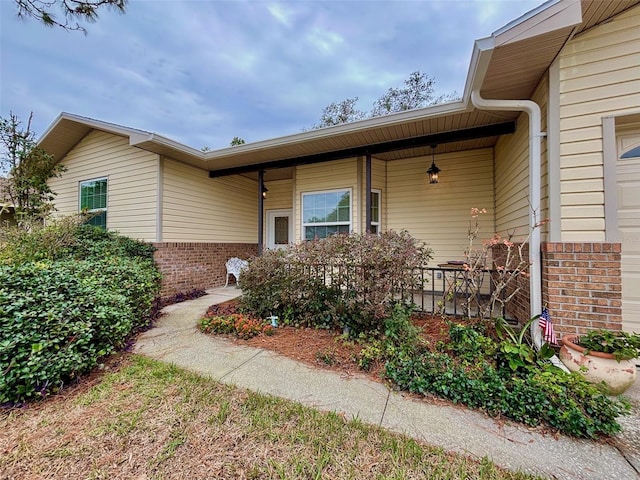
[(535, 137)]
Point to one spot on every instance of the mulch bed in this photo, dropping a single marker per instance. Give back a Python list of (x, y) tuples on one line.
[(327, 349)]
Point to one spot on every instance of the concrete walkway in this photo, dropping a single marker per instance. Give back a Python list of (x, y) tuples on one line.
[(176, 339)]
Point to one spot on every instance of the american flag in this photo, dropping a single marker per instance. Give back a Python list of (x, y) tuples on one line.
[(548, 334)]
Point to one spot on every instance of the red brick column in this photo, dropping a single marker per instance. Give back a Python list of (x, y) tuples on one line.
[(189, 266), (582, 286)]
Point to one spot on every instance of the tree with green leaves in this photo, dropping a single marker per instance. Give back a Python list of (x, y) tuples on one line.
[(237, 141), (73, 11), (27, 167)]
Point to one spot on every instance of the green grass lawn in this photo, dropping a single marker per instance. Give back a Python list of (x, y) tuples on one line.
[(142, 419)]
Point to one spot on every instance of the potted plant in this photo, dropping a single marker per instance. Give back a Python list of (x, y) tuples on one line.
[(603, 356)]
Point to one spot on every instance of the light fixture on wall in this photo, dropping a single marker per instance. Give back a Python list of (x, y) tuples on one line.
[(433, 169), (264, 191)]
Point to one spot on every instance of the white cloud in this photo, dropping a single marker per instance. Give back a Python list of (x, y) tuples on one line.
[(325, 41), (203, 72), (280, 13)]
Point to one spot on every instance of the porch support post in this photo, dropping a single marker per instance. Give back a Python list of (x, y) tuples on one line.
[(260, 211), (367, 194)]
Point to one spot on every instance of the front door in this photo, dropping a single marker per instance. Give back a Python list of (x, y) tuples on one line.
[(279, 228)]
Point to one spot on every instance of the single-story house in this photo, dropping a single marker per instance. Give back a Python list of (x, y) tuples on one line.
[(548, 127)]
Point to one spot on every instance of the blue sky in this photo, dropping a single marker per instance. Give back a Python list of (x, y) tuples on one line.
[(201, 72)]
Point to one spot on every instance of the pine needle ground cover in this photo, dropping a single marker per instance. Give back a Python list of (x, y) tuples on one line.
[(143, 419)]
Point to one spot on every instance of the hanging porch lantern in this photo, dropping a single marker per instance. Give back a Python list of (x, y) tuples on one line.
[(433, 169)]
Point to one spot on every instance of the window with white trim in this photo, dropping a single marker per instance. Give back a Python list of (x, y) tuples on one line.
[(326, 213), (93, 199), (375, 211)]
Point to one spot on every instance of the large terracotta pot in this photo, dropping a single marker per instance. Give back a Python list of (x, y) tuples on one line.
[(598, 367)]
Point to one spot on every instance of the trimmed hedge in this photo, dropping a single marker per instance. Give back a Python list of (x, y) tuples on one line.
[(59, 317)]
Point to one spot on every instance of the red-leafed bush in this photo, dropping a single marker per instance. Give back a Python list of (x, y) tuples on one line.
[(341, 281)]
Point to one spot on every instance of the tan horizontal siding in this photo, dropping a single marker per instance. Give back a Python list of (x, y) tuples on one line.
[(197, 208), (280, 195), (132, 183), (512, 178), (583, 198), (439, 214), (581, 173), (580, 235), (582, 211), (602, 73), (599, 76), (585, 185), (585, 159), (378, 174), (512, 201)]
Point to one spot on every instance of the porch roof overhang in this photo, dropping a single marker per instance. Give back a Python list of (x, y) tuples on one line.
[(383, 149), (507, 65)]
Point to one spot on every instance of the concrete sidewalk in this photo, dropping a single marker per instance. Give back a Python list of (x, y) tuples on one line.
[(176, 339)]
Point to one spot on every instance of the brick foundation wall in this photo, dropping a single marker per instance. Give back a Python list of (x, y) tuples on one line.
[(582, 286), (518, 307), (189, 266)]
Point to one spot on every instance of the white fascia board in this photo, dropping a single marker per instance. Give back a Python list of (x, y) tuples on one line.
[(92, 123), (325, 132), (526, 16), (136, 139), (49, 129), (553, 15), (101, 125), (480, 58)]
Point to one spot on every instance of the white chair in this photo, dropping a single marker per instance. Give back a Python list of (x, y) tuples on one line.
[(235, 266)]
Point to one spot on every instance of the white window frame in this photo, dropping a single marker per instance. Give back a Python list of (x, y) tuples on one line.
[(94, 210), (378, 224), (325, 224)]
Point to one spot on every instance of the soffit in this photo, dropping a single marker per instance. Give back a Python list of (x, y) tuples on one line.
[(515, 69), (595, 12), (67, 134), (372, 136), (524, 52)]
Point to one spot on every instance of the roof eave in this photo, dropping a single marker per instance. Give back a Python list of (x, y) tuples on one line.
[(342, 129)]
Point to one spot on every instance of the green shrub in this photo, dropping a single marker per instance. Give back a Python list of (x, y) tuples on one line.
[(90, 241), (564, 401), (35, 242), (69, 294), (341, 281), (55, 325), (469, 342), (67, 237), (400, 339), (137, 279)]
